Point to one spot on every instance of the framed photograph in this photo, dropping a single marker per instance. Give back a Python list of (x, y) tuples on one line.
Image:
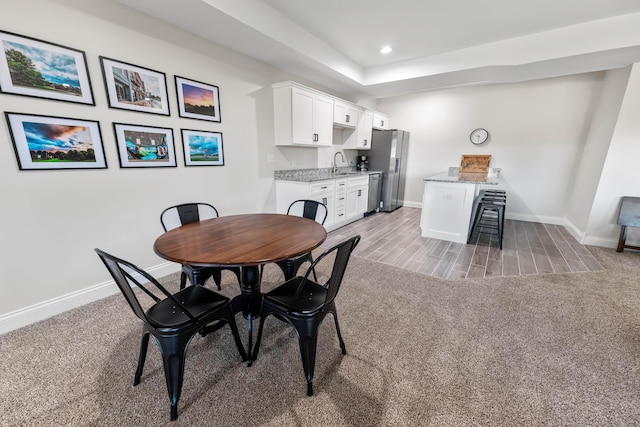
[(134, 88), (44, 142), (202, 148), (144, 146), (41, 69), (197, 100)]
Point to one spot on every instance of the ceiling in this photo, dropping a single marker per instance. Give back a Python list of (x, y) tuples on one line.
[(437, 43)]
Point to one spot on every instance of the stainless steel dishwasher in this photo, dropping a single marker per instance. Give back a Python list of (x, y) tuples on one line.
[(375, 188)]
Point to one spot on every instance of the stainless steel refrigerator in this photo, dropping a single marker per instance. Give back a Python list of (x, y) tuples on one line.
[(388, 154)]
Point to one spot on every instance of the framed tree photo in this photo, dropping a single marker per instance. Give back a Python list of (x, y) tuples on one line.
[(33, 67), (197, 100), (144, 146), (130, 87), (202, 148), (45, 142)]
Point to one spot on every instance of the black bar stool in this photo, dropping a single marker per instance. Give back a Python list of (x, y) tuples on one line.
[(488, 214)]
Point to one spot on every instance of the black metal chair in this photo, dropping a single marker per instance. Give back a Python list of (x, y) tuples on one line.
[(186, 213), (304, 304), (310, 209), (172, 319)]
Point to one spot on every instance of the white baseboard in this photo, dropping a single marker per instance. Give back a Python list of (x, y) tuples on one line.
[(43, 310)]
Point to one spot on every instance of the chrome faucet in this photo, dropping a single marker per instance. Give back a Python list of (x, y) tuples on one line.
[(335, 162)]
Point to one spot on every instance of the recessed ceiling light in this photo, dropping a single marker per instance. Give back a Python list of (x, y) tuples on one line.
[(386, 49)]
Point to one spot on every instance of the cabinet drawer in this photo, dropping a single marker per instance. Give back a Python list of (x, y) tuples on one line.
[(340, 214), (354, 181), (322, 187), (341, 198)]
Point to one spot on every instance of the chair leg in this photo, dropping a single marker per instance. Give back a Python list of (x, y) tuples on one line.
[(144, 345), (183, 280), (308, 339), (217, 277), (236, 336), (256, 347), (173, 349), (335, 319)]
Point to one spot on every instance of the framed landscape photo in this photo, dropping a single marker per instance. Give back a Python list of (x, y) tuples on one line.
[(41, 69), (44, 142), (144, 146), (130, 87), (202, 148), (197, 100)]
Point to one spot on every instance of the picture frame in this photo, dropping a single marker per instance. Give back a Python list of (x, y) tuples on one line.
[(36, 68), (48, 143), (202, 148), (134, 88), (197, 100), (144, 146)]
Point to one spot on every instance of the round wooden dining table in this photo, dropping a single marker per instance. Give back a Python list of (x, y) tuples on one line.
[(246, 241)]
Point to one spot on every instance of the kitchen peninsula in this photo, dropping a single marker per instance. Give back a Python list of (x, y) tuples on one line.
[(447, 202)]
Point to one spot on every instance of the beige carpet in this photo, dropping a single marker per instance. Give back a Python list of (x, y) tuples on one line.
[(547, 350)]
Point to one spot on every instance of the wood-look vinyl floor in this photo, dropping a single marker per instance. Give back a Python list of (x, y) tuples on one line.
[(527, 248)]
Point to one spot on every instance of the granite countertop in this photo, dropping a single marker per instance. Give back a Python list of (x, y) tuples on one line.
[(466, 178), (318, 174)]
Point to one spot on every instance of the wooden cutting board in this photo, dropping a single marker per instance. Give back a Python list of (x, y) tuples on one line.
[(475, 163)]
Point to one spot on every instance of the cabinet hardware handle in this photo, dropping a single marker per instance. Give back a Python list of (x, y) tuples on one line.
[(324, 200), (324, 187), (365, 142), (381, 123), (348, 118), (359, 193)]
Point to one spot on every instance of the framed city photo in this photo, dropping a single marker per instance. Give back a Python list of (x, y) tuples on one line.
[(130, 87), (44, 142), (41, 69), (144, 146), (202, 148), (198, 100)]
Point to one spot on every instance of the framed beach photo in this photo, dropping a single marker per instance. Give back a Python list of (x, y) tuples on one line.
[(197, 100), (130, 87), (45, 142), (202, 148), (33, 67), (144, 146)]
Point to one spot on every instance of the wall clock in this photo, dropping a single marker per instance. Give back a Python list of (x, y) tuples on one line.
[(478, 136)]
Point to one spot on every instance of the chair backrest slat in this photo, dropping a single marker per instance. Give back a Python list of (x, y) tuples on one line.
[(343, 252), (125, 275), (186, 213), (310, 209)]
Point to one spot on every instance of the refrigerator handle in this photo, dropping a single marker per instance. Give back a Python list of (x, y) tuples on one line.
[(397, 164)]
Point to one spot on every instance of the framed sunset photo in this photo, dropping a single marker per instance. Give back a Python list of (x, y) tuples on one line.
[(202, 148), (45, 142), (197, 100), (33, 67)]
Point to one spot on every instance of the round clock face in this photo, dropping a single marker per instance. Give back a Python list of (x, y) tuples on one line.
[(479, 136)]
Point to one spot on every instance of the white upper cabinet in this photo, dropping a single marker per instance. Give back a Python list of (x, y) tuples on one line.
[(365, 127), (302, 117), (345, 114), (380, 121)]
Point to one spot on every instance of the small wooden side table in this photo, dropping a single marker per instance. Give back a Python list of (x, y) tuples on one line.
[(629, 216)]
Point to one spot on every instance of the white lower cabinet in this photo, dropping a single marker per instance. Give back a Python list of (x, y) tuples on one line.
[(345, 198), (357, 197)]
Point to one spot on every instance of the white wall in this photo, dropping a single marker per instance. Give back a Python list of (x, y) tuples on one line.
[(620, 176), (52, 220), (542, 137), (536, 131)]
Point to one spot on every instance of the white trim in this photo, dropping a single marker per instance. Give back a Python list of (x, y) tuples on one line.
[(43, 310)]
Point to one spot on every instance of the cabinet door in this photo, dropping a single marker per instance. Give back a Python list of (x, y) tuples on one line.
[(345, 115), (365, 126), (302, 103), (329, 201), (380, 121), (323, 120)]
